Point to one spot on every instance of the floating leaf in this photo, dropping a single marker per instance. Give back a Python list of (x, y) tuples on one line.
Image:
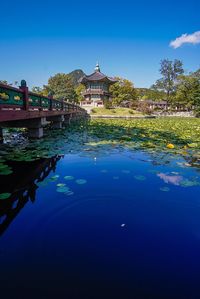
[(192, 145), (61, 185), (69, 178), (81, 181), (140, 177), (54, 178), (189, 183), (5, 195), (62, 189), (165, 189)]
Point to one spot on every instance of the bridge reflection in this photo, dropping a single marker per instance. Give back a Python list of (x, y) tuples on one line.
[(22, 185)]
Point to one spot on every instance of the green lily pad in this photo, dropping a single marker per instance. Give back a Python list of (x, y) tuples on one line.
[(81, 181), (69, 177), (140, 177), (6, 171), (62, 189), (165, 189), (5, 195), (189, 183), (54, 178), (60, 185), (192, 145)]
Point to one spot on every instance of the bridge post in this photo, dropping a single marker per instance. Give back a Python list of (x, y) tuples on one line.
[(56, 120), (25, 91), (35, 127)]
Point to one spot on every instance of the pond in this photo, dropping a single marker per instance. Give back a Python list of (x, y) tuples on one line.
[(90, 212)]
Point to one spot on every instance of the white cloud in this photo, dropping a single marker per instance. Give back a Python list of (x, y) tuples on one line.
[(193, 38)]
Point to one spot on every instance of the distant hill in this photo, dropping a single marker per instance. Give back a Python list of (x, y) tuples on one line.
[(76, 75)]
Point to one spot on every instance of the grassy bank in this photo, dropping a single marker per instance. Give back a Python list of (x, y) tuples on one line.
[(115, 112)]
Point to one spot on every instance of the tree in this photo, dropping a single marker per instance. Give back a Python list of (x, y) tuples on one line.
[(61, 87), (40, 90), (150, 94), (170, 70), (123, 90), (4, 82), (79, 91), (188, 91)]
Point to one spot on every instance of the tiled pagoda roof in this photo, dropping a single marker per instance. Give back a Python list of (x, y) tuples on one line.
[(97, 76)]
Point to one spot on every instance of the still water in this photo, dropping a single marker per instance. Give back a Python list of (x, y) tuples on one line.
[(109, 223)]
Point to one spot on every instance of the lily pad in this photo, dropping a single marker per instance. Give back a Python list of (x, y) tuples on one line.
[(81, 181), (54, 178), (62, 189), (5, 195), (189, 183), (165, 189), (140, 177), (69, 177), (61, 185)]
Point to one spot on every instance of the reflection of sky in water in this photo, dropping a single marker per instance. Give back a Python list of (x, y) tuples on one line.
[(102, 227)]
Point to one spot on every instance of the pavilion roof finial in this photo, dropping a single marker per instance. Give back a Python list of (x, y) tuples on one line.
[(97, 67)]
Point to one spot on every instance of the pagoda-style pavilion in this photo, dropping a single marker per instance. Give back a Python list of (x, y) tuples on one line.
[(97, 86)]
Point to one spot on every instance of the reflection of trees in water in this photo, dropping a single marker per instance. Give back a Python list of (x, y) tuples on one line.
[(22, 186)]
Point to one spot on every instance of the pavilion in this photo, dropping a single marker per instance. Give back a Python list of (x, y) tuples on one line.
[(97, 86)]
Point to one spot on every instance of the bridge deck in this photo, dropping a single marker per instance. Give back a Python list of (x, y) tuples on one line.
[(20, 104)]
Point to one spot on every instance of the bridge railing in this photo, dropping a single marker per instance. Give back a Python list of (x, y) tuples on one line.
[(21, 98)]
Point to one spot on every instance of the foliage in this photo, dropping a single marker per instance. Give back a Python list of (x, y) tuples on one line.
[(39, 90), (115, 111), (4, 82), (188, 91), (79, 90), (61, 87), (150, 94), (170, 70), (123, 90)]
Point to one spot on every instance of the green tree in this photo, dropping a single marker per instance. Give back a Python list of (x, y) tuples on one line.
[(123, 90), (188, 91), (170, 70), (39, 90), (150, 94), (4, 82), (79, 91), (61, 87)]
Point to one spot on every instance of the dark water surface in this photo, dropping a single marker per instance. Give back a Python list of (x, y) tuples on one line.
[(126, 224)]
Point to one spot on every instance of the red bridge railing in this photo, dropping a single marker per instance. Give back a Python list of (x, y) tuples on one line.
[(21, 99)]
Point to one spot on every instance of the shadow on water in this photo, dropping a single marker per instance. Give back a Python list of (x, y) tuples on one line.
[(22, 185)]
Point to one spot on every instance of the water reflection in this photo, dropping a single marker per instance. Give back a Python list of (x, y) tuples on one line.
[(22, 186)]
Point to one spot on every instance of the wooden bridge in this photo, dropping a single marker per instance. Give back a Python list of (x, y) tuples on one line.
[(21, 108)]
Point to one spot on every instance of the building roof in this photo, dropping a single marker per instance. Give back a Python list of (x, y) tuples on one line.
[(97, 76)]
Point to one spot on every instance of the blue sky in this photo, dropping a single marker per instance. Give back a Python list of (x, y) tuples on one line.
[(129, 38)]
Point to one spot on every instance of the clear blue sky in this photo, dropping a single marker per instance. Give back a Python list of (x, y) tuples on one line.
[(129, 38)]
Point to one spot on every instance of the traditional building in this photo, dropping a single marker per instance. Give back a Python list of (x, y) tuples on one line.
[(97, 86)]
